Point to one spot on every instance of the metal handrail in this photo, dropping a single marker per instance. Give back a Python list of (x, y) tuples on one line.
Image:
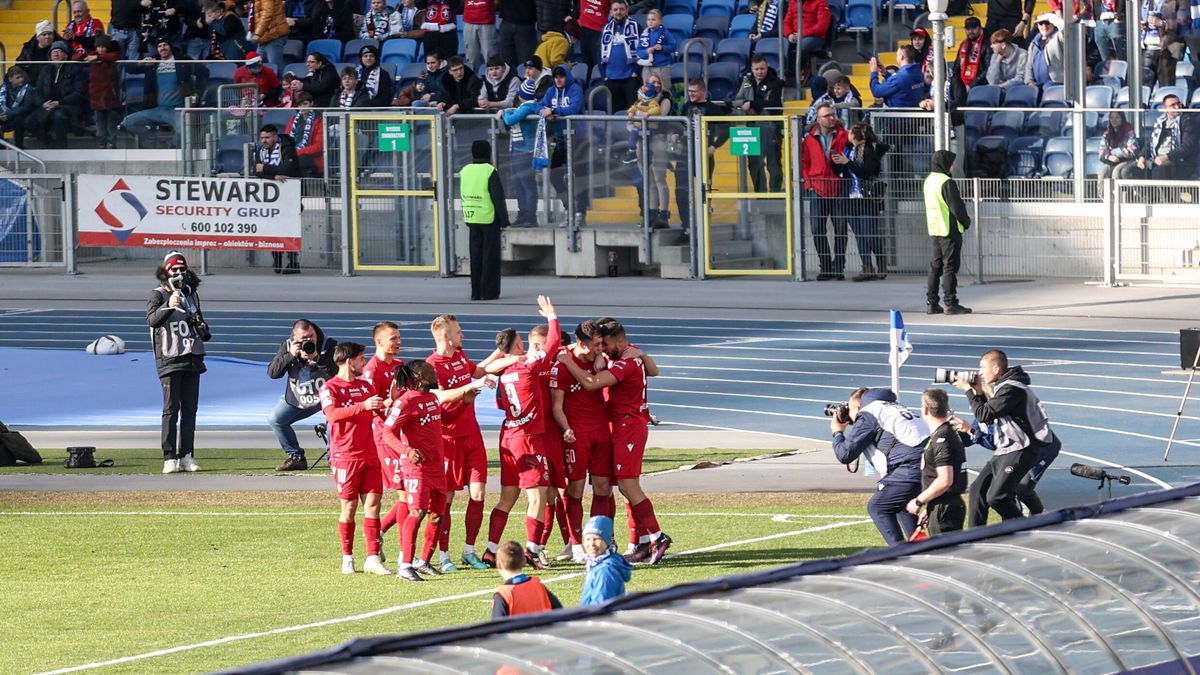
[(6, 146), (54, 15), (686, 48), (3, 58)]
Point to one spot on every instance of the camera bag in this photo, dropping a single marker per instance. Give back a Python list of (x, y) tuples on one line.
[(15, 448), (83, 457)]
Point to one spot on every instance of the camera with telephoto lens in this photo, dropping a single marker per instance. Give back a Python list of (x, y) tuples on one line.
[(947, 376), (308, 347), (838, 411)]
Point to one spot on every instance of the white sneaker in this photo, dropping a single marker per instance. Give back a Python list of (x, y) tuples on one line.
[(348, 564), (373, 566), (566, 554), (188, 463), (170, 466), (542, 558)]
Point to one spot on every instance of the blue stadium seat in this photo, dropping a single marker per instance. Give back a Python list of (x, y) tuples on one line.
[(409, 72), (1025, 156), (1091, 158), (580, 72), (700, 50), (713, 26), (218, 74), (298, 69), (1099, 96), (734, 50), (353, 47), (695, 69), (984, 96), (688, 7), (133, 92), (1059, 163), (837, 10), (723, 80), (598, 103), (1123, 97), (1020, 96), (976, 123), (1195, 102), (1160, 93), (293, 51), (279, 117), (680, 26), (741, 25), (1054, 96), (717, 7), (1184, 70), (400, 51), (229, 153), (1043, 123), (390, 68), (1114, 68), (858, 16), (770, 49), (1007, 124), (330, 49)]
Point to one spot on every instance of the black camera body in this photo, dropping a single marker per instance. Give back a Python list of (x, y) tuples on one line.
[(947, 376), (308, 347), (838, 411)]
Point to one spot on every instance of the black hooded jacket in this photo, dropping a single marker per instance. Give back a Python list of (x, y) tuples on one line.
[(304, 378), (941, 162), (1014, 411)]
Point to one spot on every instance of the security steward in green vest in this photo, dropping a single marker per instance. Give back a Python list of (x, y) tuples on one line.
[(485, 211), (947, 219)]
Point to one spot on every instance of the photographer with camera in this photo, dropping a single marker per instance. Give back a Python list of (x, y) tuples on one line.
[(178, 333), (943, 467), (307, 359), (891, 437), (1019, 429)]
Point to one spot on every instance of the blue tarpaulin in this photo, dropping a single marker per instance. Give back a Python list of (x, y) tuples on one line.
[(15, 225)]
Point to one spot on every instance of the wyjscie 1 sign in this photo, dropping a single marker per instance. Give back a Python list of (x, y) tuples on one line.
[(745, 142), (395, 137)]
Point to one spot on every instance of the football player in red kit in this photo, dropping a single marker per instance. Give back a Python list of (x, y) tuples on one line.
[(552, 446), (413, 436), (629, 416), (522, 446), (350, 404), (583, 424), (465, 454), (379, 371)]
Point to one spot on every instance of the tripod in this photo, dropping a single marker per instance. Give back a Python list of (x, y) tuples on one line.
[(322, 432), (1179, 415)]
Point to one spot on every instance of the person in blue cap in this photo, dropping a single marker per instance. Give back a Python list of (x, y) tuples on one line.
[(607, 571)]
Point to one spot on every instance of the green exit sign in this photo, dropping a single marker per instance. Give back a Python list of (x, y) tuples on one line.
[(395, 137), (745, 141)]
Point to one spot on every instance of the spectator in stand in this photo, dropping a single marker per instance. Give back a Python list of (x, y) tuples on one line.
[(655, 49), (441, 28), (226, 34), (761, 93), (160, 19), (817, 19), (406, 22), (555, 47), (377, 82), (841, 96), (1007, 65), (924, 46), (1082, 12), (18, 100), (1011, 15), (552, 15), (275, 156), (425, 91), (906, 88), (328, 20), (1118, 147), (1170, 152), (306, 130), (479, 32), (618, 57), (196, 39), (321, 81), (593, 17), (518, 33), (1109, 33), (351, 95), (287, 97), (522, 124), (269, 30), (697, 105), (377, 22), (63, 94), (81, 31), (823, 162), (865, 190), (124, 26), (1161, 49), (973, 55), (169, 80), (1044, 64), (36, 49), (499, 87), (104, 94), (269, 86), (652, 102), (460, 88), (295, 11), (563, 99)]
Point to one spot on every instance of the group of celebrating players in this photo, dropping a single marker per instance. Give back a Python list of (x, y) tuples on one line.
[(571, 413)]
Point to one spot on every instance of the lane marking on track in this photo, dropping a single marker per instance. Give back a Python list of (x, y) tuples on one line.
[(1163, 484), (413, 605)]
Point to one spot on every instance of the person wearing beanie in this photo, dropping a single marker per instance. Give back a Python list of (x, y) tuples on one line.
[(485, 212), (267, 80), (63, 89), (555, 47), (376, 81), (37, 48), (105, 96), (607, 571), (169, 80), (521, 122)]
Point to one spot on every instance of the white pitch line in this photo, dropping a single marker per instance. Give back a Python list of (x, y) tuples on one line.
[(412, 605)]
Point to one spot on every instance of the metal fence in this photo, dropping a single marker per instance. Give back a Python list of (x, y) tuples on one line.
[(34, 225)]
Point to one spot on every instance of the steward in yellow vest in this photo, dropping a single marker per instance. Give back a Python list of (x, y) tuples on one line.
[(946, 219), (485, 211)]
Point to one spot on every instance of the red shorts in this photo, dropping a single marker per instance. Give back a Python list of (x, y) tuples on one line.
[(355, 478), (423, 494), (591, 453), (466, 461), (629, 436), (522, 462), (554, 458)]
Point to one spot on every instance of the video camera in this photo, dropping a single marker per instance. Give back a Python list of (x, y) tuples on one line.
[(838, 411), (947, 376)]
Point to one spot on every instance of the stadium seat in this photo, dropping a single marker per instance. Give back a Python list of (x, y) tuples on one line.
[(279, 117), (742, 25), (581, 73), (218, 74), (679, 25), (298, 69), (1025, 156), (1091, 158), (990, 143), (599, 101), (734, 50), (724, 7), (230, 153), (687, 7), (1098, 96), (1184, 70), (984, 96), (1007, 124), (1054, 96), (712, 26), (133, 92), (699, 50), (772, 51), (694, 69), (330, 49), (1114, 68), (837, 10), (1160, 93), (1123, 97), (1043, 123), (1059, 144), (353, 47), (293, 51), (976, 123), (390, 68), (1195, 102), (409, 72), (859, 17), (1059, 163), (1020, 96), (400, 51), (723, 80)]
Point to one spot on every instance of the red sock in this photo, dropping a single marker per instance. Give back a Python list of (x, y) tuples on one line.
[(564, 526), (398, 513), (346, 532), (443, 532), (574, 512), (533, 529), (432, 535), (604, 506), (408, 538), (643, 513), (474, 520), (633, 525), (496, 524), (547, 524), (371, 532)]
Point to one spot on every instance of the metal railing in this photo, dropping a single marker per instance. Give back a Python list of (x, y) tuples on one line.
[(6, 147), (36, 230)]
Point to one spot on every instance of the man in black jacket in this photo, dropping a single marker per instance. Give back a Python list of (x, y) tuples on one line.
[(518, 35), (62, 87), (485, 210), (699, 105), (275, 159), (306, 358), (946, 219), (124, 26), (460, 88), (761, 93), (169, 80)]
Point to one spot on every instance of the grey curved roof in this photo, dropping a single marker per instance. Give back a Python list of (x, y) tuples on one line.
[(1109, 588)]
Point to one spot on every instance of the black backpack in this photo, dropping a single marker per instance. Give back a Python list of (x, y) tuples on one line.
[(83, 457), (15, 448)]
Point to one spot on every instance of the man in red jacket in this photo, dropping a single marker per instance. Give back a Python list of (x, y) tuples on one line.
[(822, 162), (817, 19)]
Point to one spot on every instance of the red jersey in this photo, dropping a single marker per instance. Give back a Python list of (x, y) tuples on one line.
[(628, 395), (584, 409), (350, 436), (380, 374), (523, 392), (458, 418), (479, 11), (415, 421)]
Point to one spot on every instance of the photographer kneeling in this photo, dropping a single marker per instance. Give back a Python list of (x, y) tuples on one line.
[(892, 438), (307, 360)]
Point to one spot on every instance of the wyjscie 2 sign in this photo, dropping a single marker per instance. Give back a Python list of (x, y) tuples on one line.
[(395, 137), (745, 142)]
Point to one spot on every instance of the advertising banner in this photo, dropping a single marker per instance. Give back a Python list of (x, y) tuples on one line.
[(189, 212)]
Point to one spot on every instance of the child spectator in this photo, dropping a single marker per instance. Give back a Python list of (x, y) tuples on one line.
[(18, 99), (655, 48), (405, 22), (607, 572), (102, 89), (287, 98), (647, 104), (841, 96), (376, 23), (520, 593)]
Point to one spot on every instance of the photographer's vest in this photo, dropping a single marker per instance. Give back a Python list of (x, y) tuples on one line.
[(905, 428), (1013, 434), (477, 206), (176, 337), (937, 213)]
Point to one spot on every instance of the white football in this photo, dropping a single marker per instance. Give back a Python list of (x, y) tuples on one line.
[(106, 345)]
